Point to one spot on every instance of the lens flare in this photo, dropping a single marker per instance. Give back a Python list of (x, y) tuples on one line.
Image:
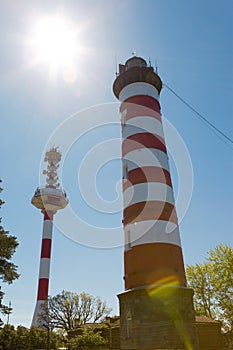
[(165, 289)]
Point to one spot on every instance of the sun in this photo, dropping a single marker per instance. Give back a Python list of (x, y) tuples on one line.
[(54, 42)]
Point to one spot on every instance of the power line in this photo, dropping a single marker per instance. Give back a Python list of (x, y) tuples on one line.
[(224, 136)]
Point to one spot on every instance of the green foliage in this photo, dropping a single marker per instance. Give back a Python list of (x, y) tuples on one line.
[(89, 338), (66, 308), (213, 287), (8, 339), (27, 339), (7, 248), (35, 338), (8, 270)]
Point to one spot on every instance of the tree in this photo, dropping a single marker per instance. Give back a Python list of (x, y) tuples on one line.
[(66, 308), (213, 287), (8, 270)]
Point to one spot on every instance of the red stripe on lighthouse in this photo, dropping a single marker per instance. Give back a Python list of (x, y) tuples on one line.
[(46, 248), (142, 140), (147, 174), (48, 215), (158, 263), (43, 289), (146, 101), (150, 210)]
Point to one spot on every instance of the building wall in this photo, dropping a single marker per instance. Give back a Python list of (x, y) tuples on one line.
[(209, 335), (208, 331), (159, 318)]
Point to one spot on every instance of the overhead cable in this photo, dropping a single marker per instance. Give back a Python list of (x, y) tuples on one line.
[(201, 116)]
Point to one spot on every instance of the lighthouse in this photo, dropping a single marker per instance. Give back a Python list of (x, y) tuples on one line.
[(49, 199), (156, 308)]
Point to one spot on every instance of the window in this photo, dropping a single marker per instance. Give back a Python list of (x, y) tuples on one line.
[(123, 118), (128, 239), (128, 324), (125, 172)]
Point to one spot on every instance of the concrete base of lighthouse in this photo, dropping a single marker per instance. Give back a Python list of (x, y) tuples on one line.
[(160, 317)]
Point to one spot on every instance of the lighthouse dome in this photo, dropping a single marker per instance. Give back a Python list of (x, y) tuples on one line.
[(135, 62)]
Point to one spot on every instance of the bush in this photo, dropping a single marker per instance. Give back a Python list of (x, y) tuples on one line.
[(24, 339), (86, 340)]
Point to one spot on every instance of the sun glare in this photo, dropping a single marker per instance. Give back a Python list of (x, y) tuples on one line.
[(55, 42)]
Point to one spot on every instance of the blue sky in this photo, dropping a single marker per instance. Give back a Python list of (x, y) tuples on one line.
[(191, 43)]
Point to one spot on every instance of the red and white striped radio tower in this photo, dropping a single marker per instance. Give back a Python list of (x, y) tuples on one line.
[(156, 308), (49, 199)]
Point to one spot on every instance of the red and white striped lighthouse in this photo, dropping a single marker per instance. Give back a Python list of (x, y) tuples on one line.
[(152, 250), (153, 260), (49, 200)]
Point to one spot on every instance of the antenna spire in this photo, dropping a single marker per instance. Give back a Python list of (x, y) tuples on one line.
[(156, 67), (116, 64)]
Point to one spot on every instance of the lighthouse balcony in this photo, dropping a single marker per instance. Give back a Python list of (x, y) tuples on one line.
[(50, 190), (49, 199)]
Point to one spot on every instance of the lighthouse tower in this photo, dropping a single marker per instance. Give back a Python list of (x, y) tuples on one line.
[(156, 308), (49, 200)]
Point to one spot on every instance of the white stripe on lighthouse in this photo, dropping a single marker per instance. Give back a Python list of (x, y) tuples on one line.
[(138, 88), (146, 157), (148, 191), (151, 231), (142, 124), (47, 229), (44, 268)]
